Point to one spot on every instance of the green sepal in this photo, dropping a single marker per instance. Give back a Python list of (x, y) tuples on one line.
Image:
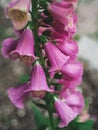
[(40, 105), (43, 3), (43, 39), (87, 125)]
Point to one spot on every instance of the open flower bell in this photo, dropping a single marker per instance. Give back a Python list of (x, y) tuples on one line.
[(69, 107), (25, 47), (18, 12), (38, 84)]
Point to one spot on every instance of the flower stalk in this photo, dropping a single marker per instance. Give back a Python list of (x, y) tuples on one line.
[(39, 54)]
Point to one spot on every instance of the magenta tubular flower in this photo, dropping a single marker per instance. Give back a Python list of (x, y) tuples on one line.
[(68, 47), (57, 58), (61, 14), (70, 82), (71, 26), (69, 108), (73, 98), (64, 112), (9, 45), (75, 101), (60, 34), (25, 47), (72, 70), (38, 84), (17, 95), (18, 12), (58, 26)]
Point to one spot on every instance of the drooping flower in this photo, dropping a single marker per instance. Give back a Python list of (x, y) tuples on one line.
[(68, 47), (69, 108), (74, 99), (57, 58), (25, 47), (70, 83), (72, 70), (9, 45), (72, 75), (64, 112), (60, 34), (17, 95), (38, 84), (61, 14), (18, 12), (64, 17)]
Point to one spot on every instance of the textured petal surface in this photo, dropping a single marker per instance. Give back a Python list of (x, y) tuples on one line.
[(38, 84), (25, 47), (66, 113), (17, 95), (8, 45), (56, 58), (73, 70), (68, 47)]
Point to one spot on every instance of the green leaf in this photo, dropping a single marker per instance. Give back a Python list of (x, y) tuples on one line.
[(41, 121), (88, 125), (24, 78)]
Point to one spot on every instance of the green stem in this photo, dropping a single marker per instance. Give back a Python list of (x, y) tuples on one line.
[(35, 32), (39, 54), (51, 119), (50, 114)]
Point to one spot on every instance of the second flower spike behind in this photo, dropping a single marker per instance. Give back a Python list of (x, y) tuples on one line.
[(38, 84)]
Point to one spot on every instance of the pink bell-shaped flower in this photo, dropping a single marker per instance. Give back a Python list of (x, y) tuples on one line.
[(68, 47), (73, 98), (18, 12), (65, 113), (9, 45), (60, 34), (57, 58), (69, 82), (73, 70), (69, 107), (61, 14), (38, 84), (17, 95), (25, 47)]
